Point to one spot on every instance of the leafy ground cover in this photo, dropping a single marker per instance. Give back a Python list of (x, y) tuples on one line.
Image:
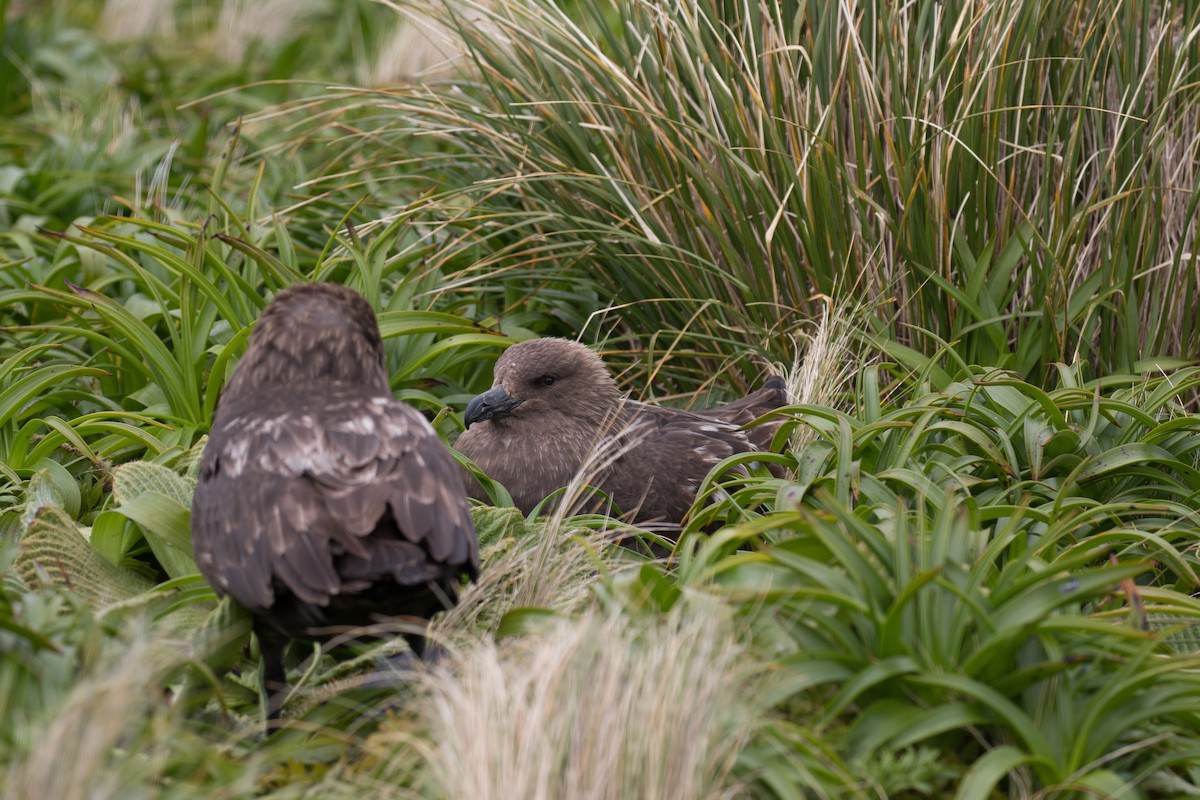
[(966, 232)]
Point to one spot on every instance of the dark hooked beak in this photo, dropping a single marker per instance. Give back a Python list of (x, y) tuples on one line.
[(493, 403)]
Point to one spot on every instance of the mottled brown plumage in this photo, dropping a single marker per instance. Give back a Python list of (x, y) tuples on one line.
[(553, 403), (323, 504)]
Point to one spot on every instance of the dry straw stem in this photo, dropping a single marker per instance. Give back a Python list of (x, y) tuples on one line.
[(606, 706)]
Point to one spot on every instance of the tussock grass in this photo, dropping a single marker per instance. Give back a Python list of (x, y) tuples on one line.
[(73, 755), (135, 19), (1018, 177), (825, 362), (551, 564), (552, 568), (600, 707), (241, 23), (420, 48)]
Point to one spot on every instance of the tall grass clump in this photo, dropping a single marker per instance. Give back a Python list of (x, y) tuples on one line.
[(544, 566), (600, 707), (71, 754), (1017, 177)]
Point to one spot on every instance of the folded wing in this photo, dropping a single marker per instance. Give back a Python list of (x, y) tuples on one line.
[(324, 492)]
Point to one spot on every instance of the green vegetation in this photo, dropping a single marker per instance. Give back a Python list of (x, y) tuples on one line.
[(967, 232)]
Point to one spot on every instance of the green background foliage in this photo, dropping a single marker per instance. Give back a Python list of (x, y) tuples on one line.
[(965, 230)]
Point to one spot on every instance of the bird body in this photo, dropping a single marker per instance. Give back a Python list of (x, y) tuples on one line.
[(554, 404), (323, 504)]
